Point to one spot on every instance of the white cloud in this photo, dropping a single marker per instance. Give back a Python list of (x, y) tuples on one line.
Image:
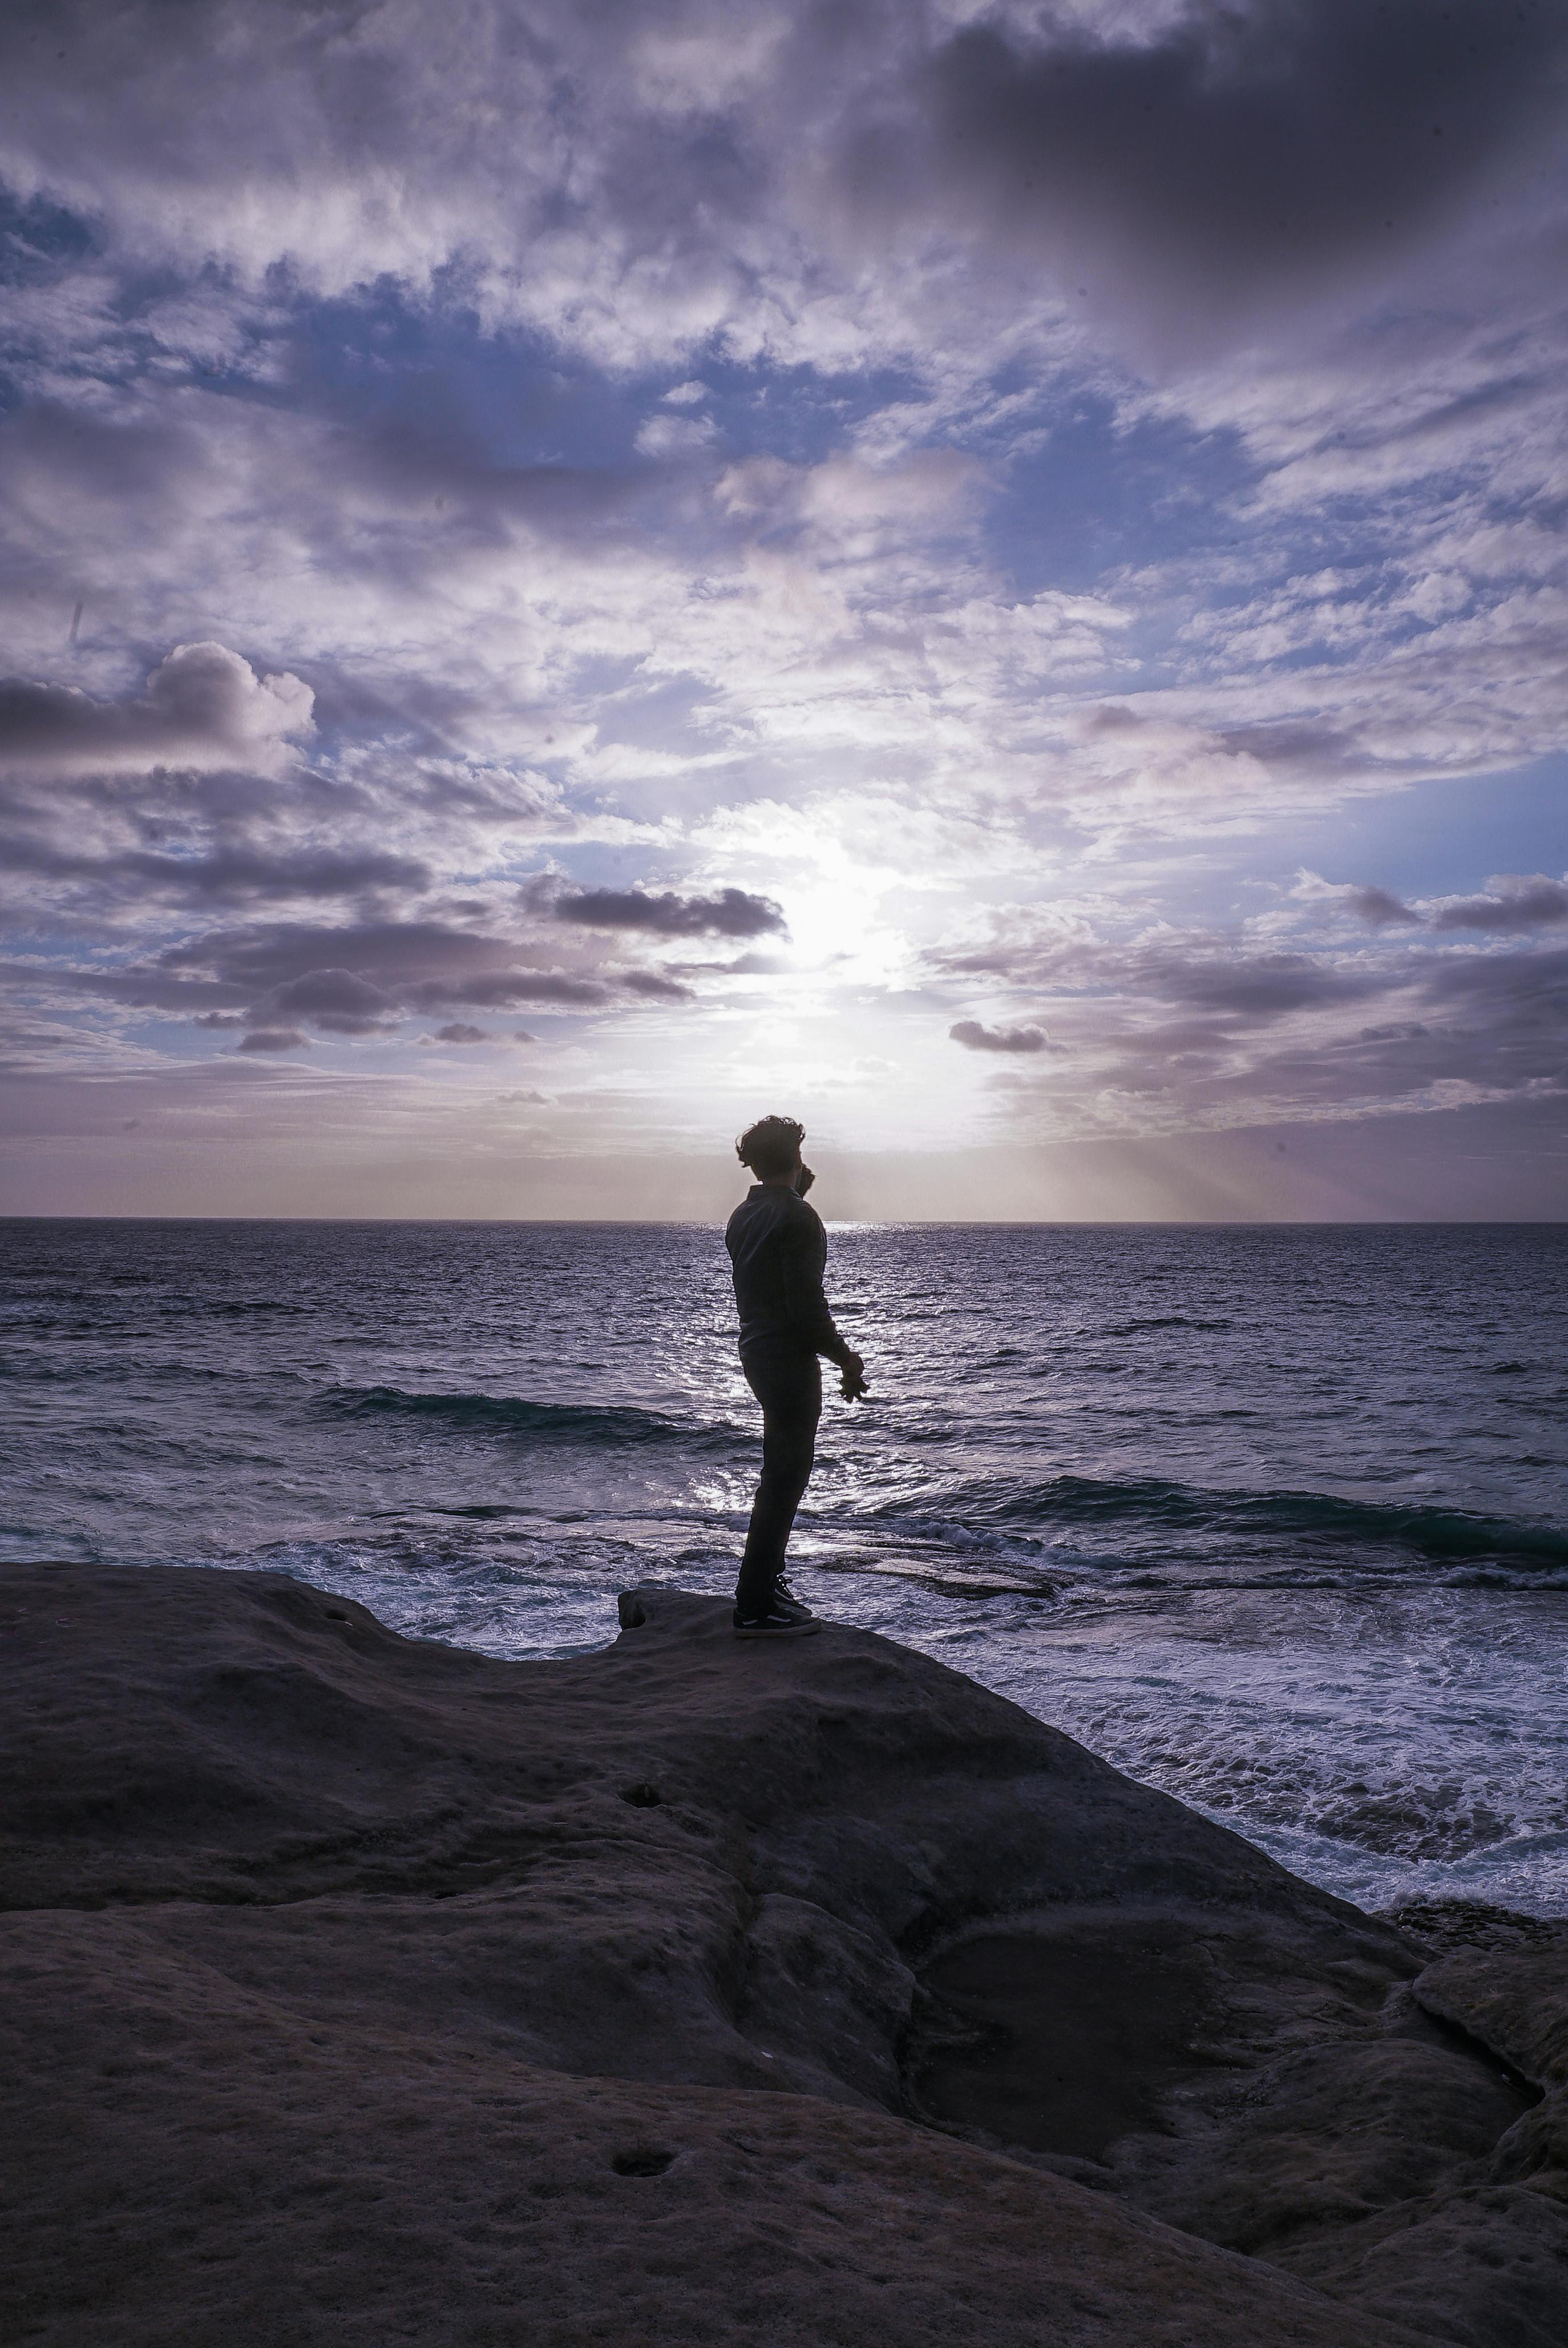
[(676, 436)]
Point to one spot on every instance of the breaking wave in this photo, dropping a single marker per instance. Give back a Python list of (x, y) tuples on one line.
[(1323, 1520), (584, 1425)]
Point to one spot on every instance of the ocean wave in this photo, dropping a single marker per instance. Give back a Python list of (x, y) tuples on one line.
[(593, 1426), (1155, 1507), (1163, 1321)]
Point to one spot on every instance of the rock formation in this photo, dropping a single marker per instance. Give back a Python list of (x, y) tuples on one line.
[(362, 1989)]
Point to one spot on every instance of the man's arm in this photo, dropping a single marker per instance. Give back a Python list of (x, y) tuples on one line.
[(802, 1253)]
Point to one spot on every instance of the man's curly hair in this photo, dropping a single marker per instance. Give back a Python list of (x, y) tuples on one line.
[(770, 1146)]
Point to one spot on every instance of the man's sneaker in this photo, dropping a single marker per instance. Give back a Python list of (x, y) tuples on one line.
[(782, 1589), (782, 1618)]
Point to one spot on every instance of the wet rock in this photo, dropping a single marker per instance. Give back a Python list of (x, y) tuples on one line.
[(1442, 1926)]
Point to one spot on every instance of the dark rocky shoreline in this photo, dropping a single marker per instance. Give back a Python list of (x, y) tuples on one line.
[(363, 1989)]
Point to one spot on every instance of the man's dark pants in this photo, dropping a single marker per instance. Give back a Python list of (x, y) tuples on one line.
[(786, 1379)]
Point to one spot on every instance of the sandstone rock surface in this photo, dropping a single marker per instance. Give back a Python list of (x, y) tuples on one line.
[(695, 1990)]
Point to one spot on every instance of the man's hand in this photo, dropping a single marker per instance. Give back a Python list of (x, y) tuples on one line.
[(851, 1378)]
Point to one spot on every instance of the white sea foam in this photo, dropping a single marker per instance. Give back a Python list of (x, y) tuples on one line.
[(1383, 1747)]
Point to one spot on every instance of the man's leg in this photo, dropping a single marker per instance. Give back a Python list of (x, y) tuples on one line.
[(788, 1384)]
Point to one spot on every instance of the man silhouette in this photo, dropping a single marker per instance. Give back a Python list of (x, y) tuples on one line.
[(779, 1250)]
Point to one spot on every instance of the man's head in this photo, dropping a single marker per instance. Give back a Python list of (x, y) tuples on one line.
[(771, 1146)]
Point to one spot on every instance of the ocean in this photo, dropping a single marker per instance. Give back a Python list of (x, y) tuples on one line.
[(1276, 1519)]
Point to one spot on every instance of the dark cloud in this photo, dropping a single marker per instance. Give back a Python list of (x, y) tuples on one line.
[(351, 980), (732, 913), (1239, 143), (1498, 1021), (503, 990), (656, 986), (234, 875), (1521, 905), (974, 1037), (204, 706), (137, 986), (407, 958), (1195, 972), (1532, 986), (418, 965), (1379, 908), (1307, 746), (1252, 986), (274, 1039), (334, 999), (457, 1031), (1536, 902)]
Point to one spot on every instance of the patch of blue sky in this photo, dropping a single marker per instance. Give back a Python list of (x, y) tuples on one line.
[(1430, 839), (1093, 495), (799, 414), (432, 372), (433, 367), (40, 241), (1444, 838)]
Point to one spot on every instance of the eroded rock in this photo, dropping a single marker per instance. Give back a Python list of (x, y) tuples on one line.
[(362, 1986)]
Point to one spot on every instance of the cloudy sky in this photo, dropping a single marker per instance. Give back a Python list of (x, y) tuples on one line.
[(992, 576)]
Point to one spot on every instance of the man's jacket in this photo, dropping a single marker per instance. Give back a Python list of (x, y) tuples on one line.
[(779, 1250)]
